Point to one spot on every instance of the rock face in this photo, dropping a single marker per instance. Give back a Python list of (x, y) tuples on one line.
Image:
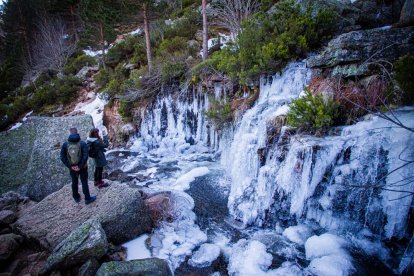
[(30, 155), (89, 268), (85, 242), (9, 243), (350, 54), (151, 266), (118, 130), (407, 13), (119, 208), (357, 14)]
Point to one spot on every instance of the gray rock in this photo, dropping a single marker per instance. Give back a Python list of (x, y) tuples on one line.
[(9, 243), (86, 242), (30, 155), (352, 51), (7, 217), (119, 208), (10, 200), (407, 13), (151, 266), (89, 268), (85, 72)]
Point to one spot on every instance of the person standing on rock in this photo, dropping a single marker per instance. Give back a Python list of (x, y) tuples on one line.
[(74, 154), (97, 147)]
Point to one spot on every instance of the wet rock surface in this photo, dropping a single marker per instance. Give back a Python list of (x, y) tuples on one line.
[(119, 208), (30, 155)]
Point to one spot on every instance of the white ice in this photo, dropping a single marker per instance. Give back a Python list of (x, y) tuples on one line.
[(183, 183), (249, 258), (137, 249), (328, 255), (205, 255), (298, 234)]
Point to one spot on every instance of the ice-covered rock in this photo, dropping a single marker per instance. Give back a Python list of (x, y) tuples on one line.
[(205, 255), (328, 255)]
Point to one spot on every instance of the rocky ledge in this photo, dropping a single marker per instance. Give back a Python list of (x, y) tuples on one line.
[(119, 208), (357, 53)]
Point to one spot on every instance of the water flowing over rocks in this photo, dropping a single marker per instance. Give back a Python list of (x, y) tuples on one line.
[(30, 155), (151, 266), (85, 242), (119, 208), (356, 53)]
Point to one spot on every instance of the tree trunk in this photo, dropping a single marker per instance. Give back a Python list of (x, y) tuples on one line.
[(102, 41), (205, 30), (147, 35), (72, 15)]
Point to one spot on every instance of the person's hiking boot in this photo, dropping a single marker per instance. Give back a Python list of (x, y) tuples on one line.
[(102, 184), (96, 183), (89, 201), (77, 199)]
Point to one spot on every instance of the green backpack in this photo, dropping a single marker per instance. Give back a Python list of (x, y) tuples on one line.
[(74, 153)]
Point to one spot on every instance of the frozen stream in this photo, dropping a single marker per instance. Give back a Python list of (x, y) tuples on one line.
[(304, 206)]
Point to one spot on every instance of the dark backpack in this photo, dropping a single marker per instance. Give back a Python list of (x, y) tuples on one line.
[(92, 150)]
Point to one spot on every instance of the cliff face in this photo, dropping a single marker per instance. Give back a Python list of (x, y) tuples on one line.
[(30, 155)]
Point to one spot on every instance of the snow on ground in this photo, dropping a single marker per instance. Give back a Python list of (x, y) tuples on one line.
[(19, 124), (136, 249), (183, 183), (92, 53), (95, 109), (328, 255)]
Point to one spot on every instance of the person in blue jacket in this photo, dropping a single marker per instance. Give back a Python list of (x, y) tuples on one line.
[(74, 154), (97, 146)]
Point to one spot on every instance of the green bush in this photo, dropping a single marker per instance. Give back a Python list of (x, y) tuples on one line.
[(77, 63), (125, 110), (103, 76), (269, 40), (404, 75), (58, 91), (124, 50), (313, 113)]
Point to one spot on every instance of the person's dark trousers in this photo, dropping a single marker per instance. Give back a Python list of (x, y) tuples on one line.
[(98, 174), (83, 174)]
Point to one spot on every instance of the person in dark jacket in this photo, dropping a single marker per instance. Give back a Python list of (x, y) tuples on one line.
[(98, 145), (74, 154)]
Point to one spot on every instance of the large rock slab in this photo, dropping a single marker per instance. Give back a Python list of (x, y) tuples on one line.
[(119, 208), (85, 242), (30, 155), (150, 266), (350, 53)]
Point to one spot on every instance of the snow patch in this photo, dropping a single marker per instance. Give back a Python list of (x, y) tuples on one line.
[(95, 109), (137, 249), (19, 124)]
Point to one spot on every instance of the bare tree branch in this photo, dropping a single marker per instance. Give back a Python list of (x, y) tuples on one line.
[(229, 14)]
